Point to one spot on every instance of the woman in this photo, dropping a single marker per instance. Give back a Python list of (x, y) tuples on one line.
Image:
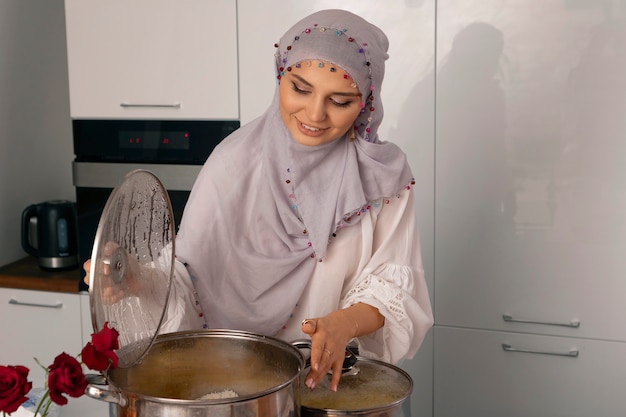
[(303, 220)]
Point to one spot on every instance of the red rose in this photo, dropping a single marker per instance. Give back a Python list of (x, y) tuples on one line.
[(13, 387), (65, 377), (99, 353)]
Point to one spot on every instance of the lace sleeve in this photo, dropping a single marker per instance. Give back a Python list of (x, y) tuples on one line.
[(388, 292)]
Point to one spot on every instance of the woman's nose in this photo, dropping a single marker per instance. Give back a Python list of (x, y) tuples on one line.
[(316, 110)]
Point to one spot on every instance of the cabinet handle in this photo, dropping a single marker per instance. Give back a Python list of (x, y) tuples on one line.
[(173, 106), (570, 354), (573, 324), (21, 303)]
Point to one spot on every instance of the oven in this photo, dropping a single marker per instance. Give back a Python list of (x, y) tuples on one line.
[(106, 150)]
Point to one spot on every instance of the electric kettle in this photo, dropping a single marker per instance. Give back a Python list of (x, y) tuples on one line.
[(49, 234)]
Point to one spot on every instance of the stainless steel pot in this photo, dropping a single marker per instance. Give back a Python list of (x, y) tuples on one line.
[(182, 367), (367, 388)]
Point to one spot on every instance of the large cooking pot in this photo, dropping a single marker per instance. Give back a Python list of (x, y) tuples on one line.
[(368, 388), (238, 373)]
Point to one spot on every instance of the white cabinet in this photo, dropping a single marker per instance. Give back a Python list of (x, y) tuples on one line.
[(38, 324), (86, 321), (141, 59), (475, 376), (530, 231), (42, 324)]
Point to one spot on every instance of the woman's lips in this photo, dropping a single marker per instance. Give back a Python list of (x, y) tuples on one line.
[(309, 130)]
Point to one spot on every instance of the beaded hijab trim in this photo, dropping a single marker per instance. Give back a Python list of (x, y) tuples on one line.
[(367, 104)]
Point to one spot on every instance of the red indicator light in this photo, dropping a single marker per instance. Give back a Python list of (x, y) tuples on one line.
[(186, 135), (166, 141)]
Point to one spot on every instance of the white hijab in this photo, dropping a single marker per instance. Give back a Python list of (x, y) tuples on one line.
[(264, 208)]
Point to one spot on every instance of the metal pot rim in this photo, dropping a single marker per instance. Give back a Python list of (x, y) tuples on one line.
[(367, 410), (215, 333), (357, 411)]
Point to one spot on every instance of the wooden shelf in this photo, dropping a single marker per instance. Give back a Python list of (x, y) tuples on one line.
[(26, 274)]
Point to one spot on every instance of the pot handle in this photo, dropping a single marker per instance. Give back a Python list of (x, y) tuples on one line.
[(102, 394), (349, 360)]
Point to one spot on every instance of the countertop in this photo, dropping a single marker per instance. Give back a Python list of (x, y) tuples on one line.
[(26, 274)]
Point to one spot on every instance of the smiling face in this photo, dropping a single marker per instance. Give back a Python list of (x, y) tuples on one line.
[(318, 105)]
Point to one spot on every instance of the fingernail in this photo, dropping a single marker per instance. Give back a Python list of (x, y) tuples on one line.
[(309, 383)]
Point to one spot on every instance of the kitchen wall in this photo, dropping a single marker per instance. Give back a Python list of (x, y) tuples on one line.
[(35, 128)]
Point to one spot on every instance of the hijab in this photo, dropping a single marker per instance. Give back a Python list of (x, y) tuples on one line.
[(265, 208)]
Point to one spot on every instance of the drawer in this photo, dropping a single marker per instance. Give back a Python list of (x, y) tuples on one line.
[(544, 286), (475, 376)]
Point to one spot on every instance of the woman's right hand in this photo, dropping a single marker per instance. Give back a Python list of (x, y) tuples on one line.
[(111, 290), (330, 335), (87, 268)]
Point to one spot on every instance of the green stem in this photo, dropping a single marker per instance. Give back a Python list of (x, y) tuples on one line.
[(45, 412), (43, 399), (42, 367)]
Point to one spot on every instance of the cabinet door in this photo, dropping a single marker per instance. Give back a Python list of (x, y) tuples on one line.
[(38, 324), (475, 376), (152, 60), (86, 319), (530, 192)]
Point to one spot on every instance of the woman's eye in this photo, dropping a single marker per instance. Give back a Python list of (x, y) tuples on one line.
[(336, 102), (341, 103), (298, 89)]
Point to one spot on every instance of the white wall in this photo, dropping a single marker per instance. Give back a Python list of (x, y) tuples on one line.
[(35, 128)]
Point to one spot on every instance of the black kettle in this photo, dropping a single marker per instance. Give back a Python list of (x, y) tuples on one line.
[(49, 234)]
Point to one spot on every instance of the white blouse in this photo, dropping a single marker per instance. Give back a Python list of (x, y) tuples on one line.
[(377, 262)]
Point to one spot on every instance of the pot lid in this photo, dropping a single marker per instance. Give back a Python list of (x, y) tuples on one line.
[(370, 385), (132, 264)]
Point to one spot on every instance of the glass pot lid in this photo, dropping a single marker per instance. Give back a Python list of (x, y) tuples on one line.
[(370, 385), (132, 263)]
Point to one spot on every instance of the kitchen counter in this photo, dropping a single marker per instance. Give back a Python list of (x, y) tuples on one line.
[(26, 274)]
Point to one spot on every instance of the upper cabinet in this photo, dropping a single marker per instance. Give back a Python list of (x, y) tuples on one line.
[(140, 59)]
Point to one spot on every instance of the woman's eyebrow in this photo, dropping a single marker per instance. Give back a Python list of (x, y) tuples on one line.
[(338, 93), (302, 80)]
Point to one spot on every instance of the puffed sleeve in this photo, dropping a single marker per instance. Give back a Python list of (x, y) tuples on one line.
[(182, 312), (391, 278)]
